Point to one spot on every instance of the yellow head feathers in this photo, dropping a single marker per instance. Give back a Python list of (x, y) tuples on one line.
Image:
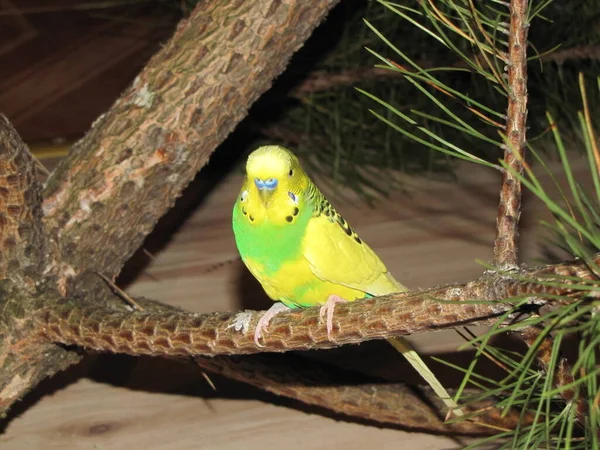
[(272, 168), (271, 161)]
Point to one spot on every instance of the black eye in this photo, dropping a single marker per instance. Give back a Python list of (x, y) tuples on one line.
[(291, 172)]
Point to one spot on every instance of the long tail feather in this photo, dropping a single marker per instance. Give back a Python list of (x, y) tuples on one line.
[(404, 347)]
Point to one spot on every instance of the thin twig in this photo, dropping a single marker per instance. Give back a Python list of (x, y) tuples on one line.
[(509, 208), (124, 295), (323, 80)]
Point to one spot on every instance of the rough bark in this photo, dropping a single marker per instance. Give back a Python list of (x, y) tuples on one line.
[(129, 169), (185, 333), (509, 208), (21, 238), (24, 361), (131, 166)]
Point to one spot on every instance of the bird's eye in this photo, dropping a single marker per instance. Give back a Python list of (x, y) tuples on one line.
[(294, 197), (291, 172)]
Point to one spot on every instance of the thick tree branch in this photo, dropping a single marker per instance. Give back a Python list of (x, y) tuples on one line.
[(137, 158), (352, 394), (128, 170), (21, 239), (509, 208), (24, 361), (182, 333)]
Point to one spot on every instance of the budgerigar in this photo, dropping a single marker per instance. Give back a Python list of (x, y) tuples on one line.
[(302, 251)]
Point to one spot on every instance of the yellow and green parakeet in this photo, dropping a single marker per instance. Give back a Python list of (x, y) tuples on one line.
[(302, 251)]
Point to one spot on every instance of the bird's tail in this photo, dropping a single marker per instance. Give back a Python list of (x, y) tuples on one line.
[(404, 347)]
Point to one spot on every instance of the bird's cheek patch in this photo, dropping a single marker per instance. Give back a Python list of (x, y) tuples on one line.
[(294, 197)]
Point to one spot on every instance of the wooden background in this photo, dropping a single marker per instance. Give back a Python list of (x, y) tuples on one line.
[(431, 234)]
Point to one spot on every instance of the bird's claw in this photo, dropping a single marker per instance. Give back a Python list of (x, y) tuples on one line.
[(327, 311), (260, 327), (263, 322)]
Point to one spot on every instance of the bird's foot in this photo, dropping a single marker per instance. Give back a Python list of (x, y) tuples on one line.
[(263, 322), (327, 310)]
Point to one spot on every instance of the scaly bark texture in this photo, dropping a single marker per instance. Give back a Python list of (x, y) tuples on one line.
[(509, 208), (24, 361), (128, 170), (138, 157), (21, 237), (184, 333)]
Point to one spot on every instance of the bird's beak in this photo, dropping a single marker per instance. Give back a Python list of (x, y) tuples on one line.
[(266, 189), (265, 196)]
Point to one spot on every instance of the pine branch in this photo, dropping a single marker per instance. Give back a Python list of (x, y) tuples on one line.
[(563, 374), (353, 395), (164, 331), (509, 208), (323, 80), (183, 333)]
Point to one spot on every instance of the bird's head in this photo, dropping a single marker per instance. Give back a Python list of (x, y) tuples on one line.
[(275, 175)]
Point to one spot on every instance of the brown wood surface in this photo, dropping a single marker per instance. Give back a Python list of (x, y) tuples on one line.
[(431, 234)]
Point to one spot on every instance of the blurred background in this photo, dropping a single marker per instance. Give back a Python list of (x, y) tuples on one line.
[(64, 62)]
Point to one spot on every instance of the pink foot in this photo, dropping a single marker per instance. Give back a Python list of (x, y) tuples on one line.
[(263, 322), (327, 309)]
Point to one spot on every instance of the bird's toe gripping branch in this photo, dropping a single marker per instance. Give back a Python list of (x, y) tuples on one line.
[(327, 311), (263, 322)]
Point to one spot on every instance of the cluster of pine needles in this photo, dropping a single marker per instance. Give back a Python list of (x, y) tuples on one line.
[(558, 399), (324, 115)]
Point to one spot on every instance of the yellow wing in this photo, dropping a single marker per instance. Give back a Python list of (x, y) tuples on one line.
[(336, 254)]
